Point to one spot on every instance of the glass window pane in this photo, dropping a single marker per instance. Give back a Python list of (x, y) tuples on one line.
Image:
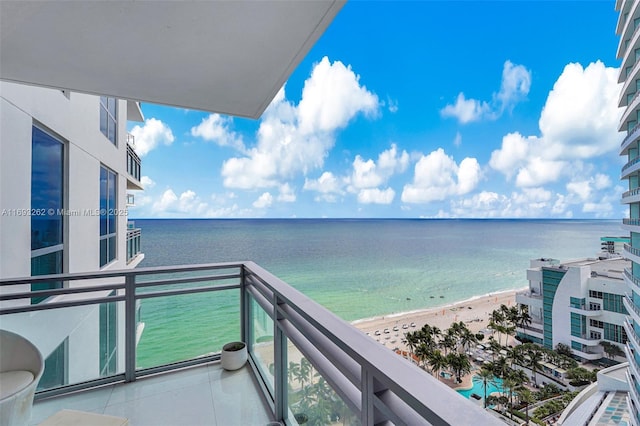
[(111, 203), (103, 121), (47, 170), (112, 249), (103, 201), (112, 130), (46, 264), (112, 107), (103, 251)]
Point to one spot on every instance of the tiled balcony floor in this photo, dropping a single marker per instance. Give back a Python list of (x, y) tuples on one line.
[(203, 395)]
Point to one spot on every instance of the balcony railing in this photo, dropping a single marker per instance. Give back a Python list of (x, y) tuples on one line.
[(627, 247), (631, 193), (631, 163), (631, 136), (134, 237), (635, 281), (280, 325), (133, 161)]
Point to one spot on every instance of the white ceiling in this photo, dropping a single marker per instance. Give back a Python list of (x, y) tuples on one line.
[(230, 57)]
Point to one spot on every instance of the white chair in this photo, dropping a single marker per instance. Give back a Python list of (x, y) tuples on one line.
[(21, 366)]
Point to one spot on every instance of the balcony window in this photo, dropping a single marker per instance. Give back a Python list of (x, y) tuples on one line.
[(108, 207), (108, 118), (47, 202)]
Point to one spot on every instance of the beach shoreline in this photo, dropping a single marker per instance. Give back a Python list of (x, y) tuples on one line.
[(474, 312)]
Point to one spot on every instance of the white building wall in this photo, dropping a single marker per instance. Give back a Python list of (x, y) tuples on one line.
[(573, 284), (76, 120)]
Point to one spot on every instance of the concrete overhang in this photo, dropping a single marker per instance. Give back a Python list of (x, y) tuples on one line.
[(230, 57)]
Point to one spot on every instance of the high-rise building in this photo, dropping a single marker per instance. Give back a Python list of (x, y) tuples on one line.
[(67, 165), (577, 303), (628, 28)]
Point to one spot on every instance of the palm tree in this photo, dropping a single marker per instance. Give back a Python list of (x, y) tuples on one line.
[(449, 342), (422, 352), (459, 364), (293, 372), (526, 397), (437, 362), (487, 377), (524, 319), (467, 338), (535, 358)]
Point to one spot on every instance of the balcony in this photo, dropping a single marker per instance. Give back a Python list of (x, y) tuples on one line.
[(631, 167), (586, 311), (133, 243), (630, 252), (632, 136), (133, 165), (633, 338), (632, 282), (628, 197), (362, 381)]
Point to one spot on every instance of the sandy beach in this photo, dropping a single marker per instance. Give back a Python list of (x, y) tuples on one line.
[(474, 313)]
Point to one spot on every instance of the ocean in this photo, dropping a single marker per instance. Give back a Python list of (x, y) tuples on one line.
[(357, 268)]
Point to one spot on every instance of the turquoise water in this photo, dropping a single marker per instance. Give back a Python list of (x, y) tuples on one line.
[(356, 268), (478, 387)]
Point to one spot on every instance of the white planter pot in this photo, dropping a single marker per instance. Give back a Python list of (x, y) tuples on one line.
[(232, 357)]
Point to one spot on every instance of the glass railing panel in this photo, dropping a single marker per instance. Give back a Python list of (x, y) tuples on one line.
[(261, 341), (78, 344), (187, 326), (311, 400)]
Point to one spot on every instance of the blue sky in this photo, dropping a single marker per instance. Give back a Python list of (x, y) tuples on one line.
[(412, 109)]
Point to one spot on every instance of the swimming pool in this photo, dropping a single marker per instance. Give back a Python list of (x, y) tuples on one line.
[(494, 386)]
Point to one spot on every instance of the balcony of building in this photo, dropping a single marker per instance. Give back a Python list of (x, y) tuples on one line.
[(349, 377), (633, 338), (632, 137), (535, 329), (627, 26), (529, 297), (133, 165), (631, 253), (587, 311), (632, 282), (630, 168), (628, 197), (134, 237)]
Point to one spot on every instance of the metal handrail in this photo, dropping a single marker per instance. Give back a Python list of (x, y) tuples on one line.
[(632, 162), (375, 383), (630, 135), (632, 192)]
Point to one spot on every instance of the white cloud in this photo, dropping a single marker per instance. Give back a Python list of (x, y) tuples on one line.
[(327, 185), (368, 175), (437, 176), (286, 194), (466, 110), (187, 204), (216, 128), (514, 87), (153, 133), (392, 105), (457, 141), (530, 202), (147, 182), (264, 201), (376, 196), (578, 122), (516, 82), (296, 139)]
